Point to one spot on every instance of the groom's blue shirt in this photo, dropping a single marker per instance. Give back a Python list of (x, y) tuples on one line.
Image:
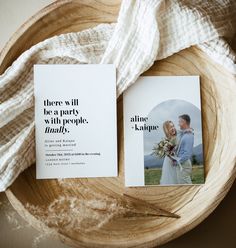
[(186, 145)]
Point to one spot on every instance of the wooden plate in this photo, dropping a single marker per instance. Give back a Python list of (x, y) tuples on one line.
[(192, 203)]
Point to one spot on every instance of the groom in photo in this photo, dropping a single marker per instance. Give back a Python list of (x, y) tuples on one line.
[(184, 150)]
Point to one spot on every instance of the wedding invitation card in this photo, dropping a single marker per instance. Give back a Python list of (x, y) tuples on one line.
[(75, 121), (163, 131)]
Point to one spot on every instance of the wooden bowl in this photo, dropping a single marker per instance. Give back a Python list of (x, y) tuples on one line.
[(192, 203)]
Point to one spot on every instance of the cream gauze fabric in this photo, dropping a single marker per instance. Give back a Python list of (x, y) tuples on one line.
[(146, 30)]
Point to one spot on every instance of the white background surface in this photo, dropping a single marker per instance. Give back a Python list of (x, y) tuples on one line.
[(217, 231)]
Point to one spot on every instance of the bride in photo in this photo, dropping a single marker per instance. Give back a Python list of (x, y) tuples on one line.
[(169, 173)]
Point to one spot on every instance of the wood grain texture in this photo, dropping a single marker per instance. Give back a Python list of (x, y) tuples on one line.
[(192, 203)]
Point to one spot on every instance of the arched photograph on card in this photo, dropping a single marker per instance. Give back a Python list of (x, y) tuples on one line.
[(173, 153)]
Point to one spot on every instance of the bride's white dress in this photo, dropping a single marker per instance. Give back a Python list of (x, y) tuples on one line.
[(168, 174)]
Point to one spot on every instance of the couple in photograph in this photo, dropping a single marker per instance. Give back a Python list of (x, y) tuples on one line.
[(177, 150)]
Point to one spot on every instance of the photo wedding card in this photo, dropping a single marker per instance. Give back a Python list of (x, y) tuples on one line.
[(75, 121), (163, 131)]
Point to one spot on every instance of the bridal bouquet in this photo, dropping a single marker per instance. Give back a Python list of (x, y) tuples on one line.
[(166, 147)]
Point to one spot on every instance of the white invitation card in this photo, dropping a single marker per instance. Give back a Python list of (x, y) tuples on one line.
[(75, 121), (163, 131)]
